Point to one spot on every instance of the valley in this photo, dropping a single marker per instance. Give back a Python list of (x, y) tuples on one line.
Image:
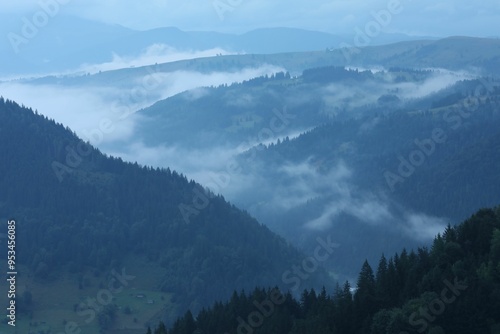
[(276, 180)]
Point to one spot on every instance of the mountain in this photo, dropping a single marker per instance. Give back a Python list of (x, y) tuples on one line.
[(382, 179), (68, 43), (355, 155), (332, 179), (474, 56), (64, 44), (454, 53), (450, 54), (279, 40), (82, 217), (453, 287), (349, 173), (388, 140)]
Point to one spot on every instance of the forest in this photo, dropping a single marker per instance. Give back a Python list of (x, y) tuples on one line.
[(253, 167), (452, 287), (86, 211)]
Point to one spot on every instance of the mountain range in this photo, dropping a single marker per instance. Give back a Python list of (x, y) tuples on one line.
[(354, 176), (83, 214), (70, 43), (340, 154)]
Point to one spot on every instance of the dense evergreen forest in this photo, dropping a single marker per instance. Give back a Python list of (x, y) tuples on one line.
[(468, 115), (391, 156), (212, 116), (82, 211), (79, 209), (374, 149), (453, 287)]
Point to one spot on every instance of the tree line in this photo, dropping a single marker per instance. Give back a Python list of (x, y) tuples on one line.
[(453, 287)]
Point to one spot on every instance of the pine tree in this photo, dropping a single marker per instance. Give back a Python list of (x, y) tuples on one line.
[(344, 309), (382, 287), (364, 298), (161, 329)]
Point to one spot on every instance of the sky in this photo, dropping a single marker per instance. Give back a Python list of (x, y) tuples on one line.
[(423, 18)]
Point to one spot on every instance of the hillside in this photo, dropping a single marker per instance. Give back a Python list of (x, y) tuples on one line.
[(281, 103), (463, 167), (342, 175), (453, 287), (249, 167), (322, 141), (364, 179), (453, 53), (69, 43), (81, 214)]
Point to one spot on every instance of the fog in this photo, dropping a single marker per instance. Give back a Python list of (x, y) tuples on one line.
[(263, 190), (269, 190), (275, 190), (343, 96), (83, 108), (156, 53)]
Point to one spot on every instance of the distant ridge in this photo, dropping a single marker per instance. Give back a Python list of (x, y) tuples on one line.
[(68, 42), (80, 210), (477, 55)]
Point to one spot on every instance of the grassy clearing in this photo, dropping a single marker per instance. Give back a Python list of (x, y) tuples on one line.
[(55, 302)]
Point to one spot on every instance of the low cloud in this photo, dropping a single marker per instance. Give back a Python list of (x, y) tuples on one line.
[(438, 81), (423, 227), (302, 183), (83, 110), (341, 96), (83, 106), (264, 189), (288, 185), (156, 53), (196, 164), (366, 209)]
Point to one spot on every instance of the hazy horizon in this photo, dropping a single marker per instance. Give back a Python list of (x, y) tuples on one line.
[(427, 18)]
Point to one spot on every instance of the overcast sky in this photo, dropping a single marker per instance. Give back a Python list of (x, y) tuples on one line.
[(424, 17)]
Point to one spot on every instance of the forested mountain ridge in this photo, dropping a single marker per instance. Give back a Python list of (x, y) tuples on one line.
[(360, 125), (342, 175), (387, 159), (453, 287), (230, 114), (90, 42), (384, 137), (78, 209), (458, 53)]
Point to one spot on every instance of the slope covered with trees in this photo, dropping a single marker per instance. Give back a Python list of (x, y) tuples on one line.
[(78, 209), (243, 112), (453, 287), (389, 157), (463, 164)]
